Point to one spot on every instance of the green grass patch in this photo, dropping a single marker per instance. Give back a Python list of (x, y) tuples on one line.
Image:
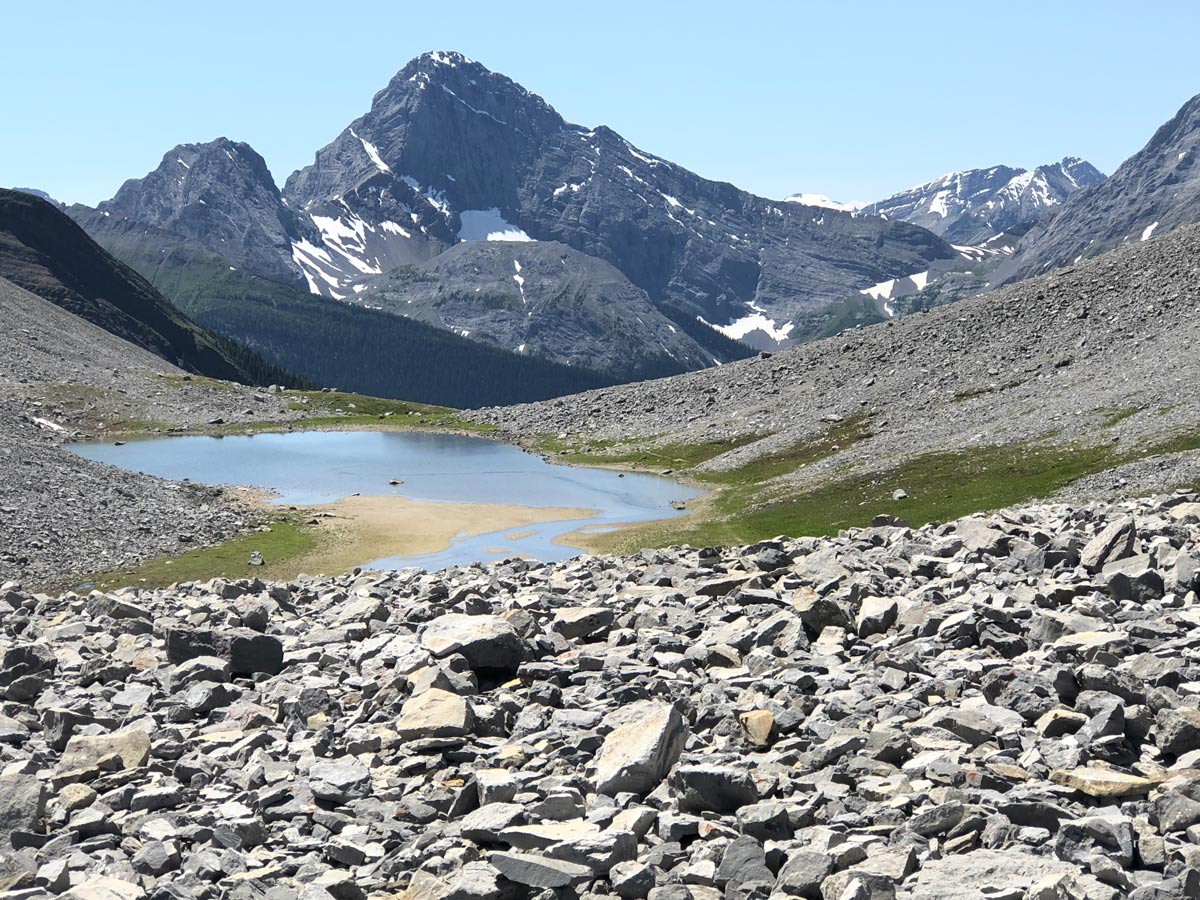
[(344, 408), (642, 454), (1117, 414), (940, 487), (287, 539), (802, 453), (983, 391), (186, 380)]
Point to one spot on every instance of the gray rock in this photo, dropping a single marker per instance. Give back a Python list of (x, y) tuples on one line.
[(711, 788), (640, 750), (246, 651), (537, 871), (487, 642), (22, 806)]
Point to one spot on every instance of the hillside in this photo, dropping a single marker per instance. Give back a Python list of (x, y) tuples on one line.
[(1155, 190), (987, 402), (337, 344), (46, 253)]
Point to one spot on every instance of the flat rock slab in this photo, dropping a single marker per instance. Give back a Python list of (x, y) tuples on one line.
[(539, 872), (435, 713), (130, 745)]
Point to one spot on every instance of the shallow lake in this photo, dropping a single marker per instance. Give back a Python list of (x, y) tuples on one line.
[(307, 468)]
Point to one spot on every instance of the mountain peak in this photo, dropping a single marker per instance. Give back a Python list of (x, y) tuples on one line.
[(451, 58), (973, 206), (222, 194), (1155, 190)]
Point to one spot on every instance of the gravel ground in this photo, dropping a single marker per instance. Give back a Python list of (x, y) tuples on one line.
[(62, 378)]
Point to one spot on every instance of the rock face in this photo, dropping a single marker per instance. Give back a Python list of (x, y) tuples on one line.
[(546, 299), (221, 196), (975, 206), (450, 151), (1155, 190), (679, 723)]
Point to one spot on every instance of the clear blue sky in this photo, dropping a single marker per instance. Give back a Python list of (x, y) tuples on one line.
[(853, 100)]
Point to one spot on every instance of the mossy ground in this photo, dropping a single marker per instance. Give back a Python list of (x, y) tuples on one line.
[(287, 538), (940, 487)]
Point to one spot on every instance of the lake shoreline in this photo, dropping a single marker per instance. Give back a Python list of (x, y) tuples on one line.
[(359, 528), (340, 513)]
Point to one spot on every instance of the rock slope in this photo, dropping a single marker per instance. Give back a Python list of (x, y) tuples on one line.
[(544, 299), (46, 253), (1001, 707), (1155, 190), (1097, 353), (61, 377)]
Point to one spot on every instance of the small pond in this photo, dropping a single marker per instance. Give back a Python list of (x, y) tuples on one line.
[(307, 468)]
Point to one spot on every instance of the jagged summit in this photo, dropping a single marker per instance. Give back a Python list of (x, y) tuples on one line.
[(448, 142), (222, 195), (973, 206)]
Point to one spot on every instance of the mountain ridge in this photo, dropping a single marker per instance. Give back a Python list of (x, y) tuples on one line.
[(450, 152), (43, 251), (973, 206), (1155, 190)]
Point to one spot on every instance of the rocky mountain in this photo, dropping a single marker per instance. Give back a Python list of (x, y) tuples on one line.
[(1153, 191), (971, 207), (221, 196), (450, 151), (339, 344), (540, 298), (37, 193), (44, 252)]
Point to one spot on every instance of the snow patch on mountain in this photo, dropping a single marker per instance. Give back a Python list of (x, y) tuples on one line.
[(757, 321), (886, 292), (820, 200), (373, 152), (488, 225), (347, 236)]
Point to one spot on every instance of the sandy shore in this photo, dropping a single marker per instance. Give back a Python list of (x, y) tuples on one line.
[(357, 530)]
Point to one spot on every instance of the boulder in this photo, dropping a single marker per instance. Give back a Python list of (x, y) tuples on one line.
[(487, 642), (247, 652), (22, 806), (130, 746), (435, 713), (1116, 541), (638, 753), (719, 789)]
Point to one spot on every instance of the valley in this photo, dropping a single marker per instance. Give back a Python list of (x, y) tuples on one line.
[(495, 510)]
